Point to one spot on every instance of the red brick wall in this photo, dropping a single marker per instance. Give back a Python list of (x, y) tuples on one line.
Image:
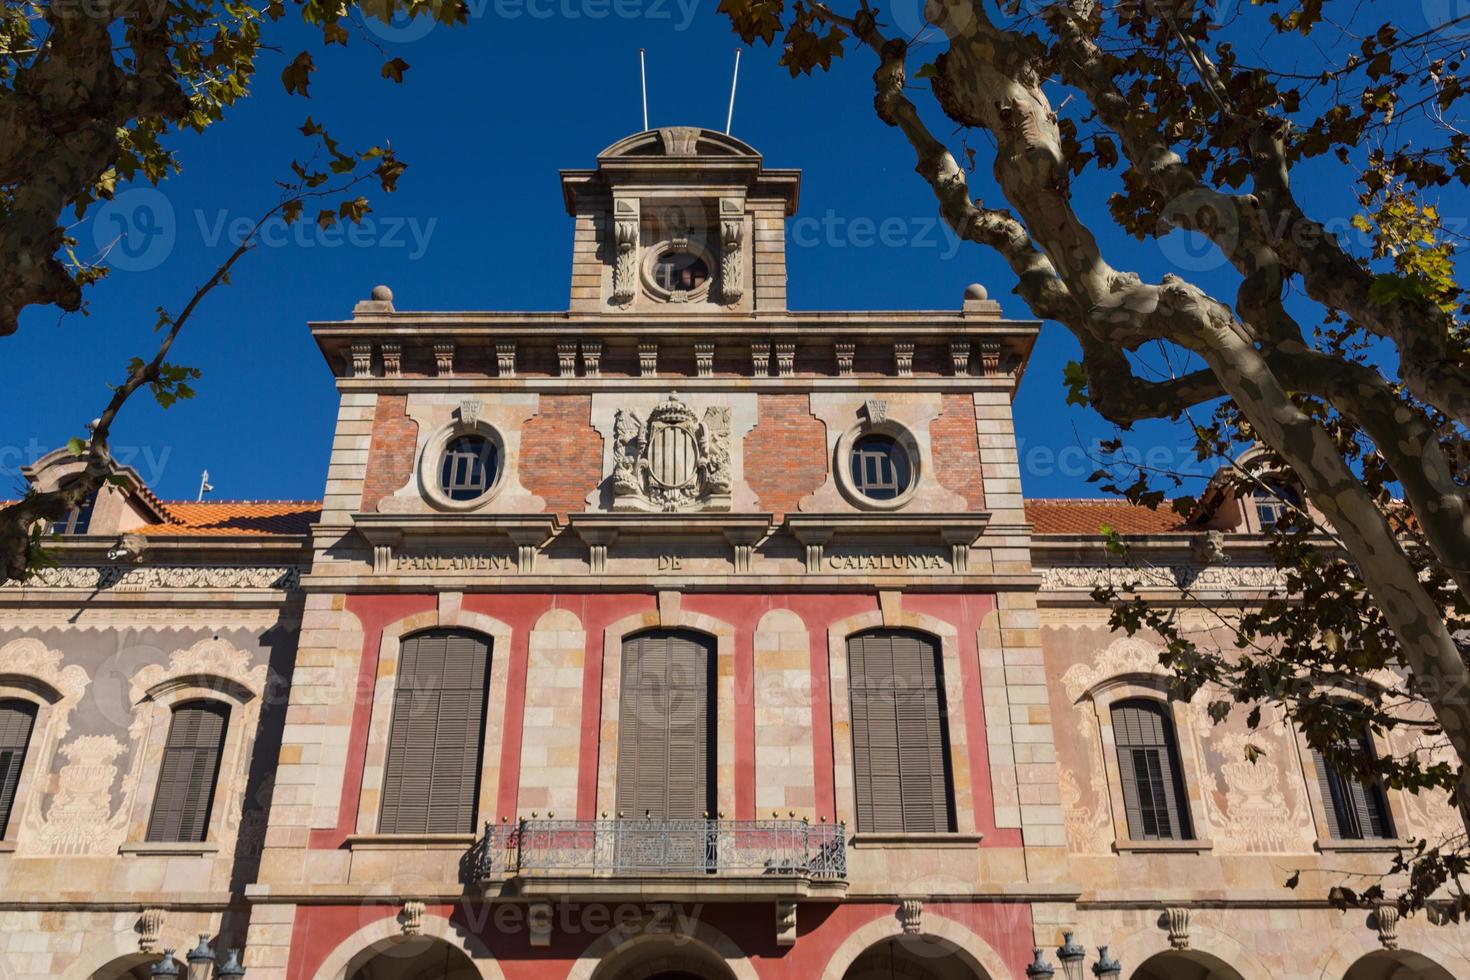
[(390, 460), (561, 453), (957, 450), (786, 452)]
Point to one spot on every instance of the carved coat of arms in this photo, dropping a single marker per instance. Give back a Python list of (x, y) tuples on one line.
[(673, 461)]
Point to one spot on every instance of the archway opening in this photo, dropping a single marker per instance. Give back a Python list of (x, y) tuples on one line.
[(1183, 965), (134, 967), (413, 959), (913, 958), (663, 958), (1396, 965)]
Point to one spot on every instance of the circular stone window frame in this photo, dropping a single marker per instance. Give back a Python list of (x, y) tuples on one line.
[(431, 465), (842, 463), (656, 251)]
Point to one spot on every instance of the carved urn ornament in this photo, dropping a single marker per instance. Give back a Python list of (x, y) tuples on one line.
[(673, 461)]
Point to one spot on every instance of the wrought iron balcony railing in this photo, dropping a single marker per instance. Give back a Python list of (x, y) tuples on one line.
[(736, 848)]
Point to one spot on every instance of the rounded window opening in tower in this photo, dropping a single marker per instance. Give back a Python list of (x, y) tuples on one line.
[(469, 468), (881, 468), (680, 272)]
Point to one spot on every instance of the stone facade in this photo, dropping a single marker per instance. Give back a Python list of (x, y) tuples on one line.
[(676, 454)]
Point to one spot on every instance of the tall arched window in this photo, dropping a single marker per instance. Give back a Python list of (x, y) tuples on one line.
[(17, 718), (666, 726), (1153, 784), (431, 780), (186, 780), (900, 743), (1355, 810)]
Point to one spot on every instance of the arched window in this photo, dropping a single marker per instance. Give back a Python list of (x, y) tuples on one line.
[(666, 726), (78, 520), (186, 780), (17, 718), (431, 780), (900, 745), (1355, 810), (1153, 784)]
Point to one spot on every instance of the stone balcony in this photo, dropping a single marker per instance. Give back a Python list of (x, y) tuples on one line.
[(668, 860)]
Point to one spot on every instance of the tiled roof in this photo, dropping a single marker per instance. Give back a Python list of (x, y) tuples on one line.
[(1088, 517), (231, 517)]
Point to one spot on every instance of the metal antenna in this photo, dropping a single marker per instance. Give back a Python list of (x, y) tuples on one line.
[(643, 73), (204, 485), (730, 115)]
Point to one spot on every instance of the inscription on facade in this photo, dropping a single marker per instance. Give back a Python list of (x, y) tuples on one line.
[(498, 563), (897, 562)]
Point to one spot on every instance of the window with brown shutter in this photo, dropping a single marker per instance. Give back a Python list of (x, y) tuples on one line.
[(186, 780), (900, 742), (17, 718), (1148, 759), (1355, 810), (666, 727), (432, 777)]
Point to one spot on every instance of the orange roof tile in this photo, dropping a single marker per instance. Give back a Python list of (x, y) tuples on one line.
[(217, 518), (1074, 516)]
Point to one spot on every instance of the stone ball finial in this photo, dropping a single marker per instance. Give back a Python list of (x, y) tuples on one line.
[(976, 291), (382, 294)]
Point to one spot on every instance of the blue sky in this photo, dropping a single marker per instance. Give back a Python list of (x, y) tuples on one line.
[(487, 114)]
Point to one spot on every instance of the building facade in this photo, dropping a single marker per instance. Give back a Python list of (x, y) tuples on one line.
[(677, 635)]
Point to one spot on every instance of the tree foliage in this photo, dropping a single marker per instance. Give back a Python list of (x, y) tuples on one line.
[(1347, 356), (93, 94)]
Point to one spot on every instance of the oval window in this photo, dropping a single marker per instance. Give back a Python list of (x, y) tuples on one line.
[(680, 272), (881, 468), (471, 466)]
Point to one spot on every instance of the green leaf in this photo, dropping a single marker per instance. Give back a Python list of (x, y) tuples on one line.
[(76, 446), (927, 71)]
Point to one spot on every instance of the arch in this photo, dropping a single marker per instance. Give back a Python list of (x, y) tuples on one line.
[(1206, 943), (608, 957), (449, 614), (1396, 964), (892, 615), (386, 932), (1422, 943), (30, 671), (134, 966), (100, 955), (1184, 965), (668, 615), (655, 142), (975, 953)]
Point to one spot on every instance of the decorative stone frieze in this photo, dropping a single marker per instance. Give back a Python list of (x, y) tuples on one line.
[(505, 358), (362, 360), (444, 359), (903, 358), (592, 358), (393, 360), (210, 659), (911, 916), (785, 358), (704, 358), (990, 358), (625, 235), (150, 930), (760, 358), (959, 356), (673, 460), (412, 918), (647, 358), (1199, 578), (845, 351), (566, 359), (1178, 918), (133, 578), (732, 233), (785, 923)]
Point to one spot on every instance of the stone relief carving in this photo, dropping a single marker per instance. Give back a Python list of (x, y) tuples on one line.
[(209, 658), (625, 266), (80, 820), (1198, 577), (1089, 828), (732, 232), (1125, 655), (132, 578), (673, 461), (1258, 817), (29, 657)]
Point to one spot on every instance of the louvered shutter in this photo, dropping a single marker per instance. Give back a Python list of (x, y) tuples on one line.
[(1148, 763), (431, 780), (665, 727), (190, 770), (1355, 810), (900, 753), (17, 718)]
